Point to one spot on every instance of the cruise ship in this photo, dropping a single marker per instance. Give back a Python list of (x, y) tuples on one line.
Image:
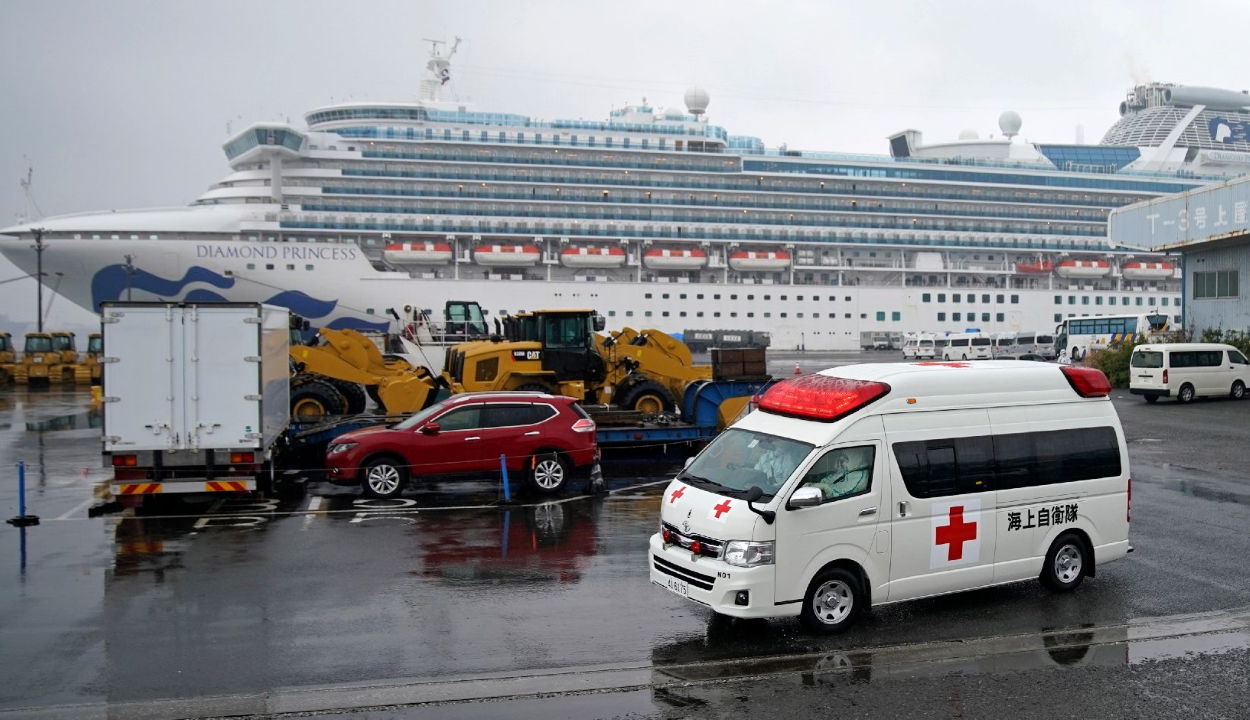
[(658, 218)]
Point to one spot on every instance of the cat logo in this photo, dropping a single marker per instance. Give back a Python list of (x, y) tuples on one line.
[(527, 354)]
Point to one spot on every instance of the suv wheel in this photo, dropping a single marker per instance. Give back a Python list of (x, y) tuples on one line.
[(383, 478), (548, 472)]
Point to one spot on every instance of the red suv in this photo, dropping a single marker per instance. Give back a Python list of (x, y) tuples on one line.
[(545, 436)]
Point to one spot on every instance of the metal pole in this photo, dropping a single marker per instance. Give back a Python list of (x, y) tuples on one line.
[(130, 271), (38, 278)]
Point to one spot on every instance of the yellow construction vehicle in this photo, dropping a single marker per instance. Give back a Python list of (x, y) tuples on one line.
[(8, 358), (89, 371), (335, 376), (38, 361), (561, 352), (67, 368)]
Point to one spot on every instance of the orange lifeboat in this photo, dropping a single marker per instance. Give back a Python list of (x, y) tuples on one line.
[(417, 253), (759, 261), (675, 259), (1083, 268), (1148, 270), (1037, 268), (507, 255), (592, 257)]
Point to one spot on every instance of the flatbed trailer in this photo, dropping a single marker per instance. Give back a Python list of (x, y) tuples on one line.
[(701, 418)]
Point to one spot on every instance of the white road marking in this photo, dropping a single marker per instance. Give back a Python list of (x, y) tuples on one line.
[(76, 509)]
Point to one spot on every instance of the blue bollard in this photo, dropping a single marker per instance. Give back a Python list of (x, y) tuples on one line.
[(22, 519), (503, 466)]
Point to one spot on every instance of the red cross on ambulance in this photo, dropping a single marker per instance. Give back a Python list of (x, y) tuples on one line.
[(956, 537), (719, 512)]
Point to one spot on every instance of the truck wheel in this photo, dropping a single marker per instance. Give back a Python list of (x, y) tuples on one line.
[(1064, 567), (353, 394), (649, 397), (1152, 399), (383, 478), (534, 387), (1239, 390), (548, 473), (314, 400), (832, 602)]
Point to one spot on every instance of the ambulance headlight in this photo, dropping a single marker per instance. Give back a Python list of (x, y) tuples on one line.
[(748, 554)]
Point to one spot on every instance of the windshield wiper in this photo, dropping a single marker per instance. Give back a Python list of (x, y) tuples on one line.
[(683, 475)]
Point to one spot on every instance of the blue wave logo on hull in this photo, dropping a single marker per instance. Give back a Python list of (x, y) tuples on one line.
[(109, 283)]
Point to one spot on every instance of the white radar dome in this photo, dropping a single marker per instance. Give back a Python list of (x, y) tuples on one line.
[(697, 100), (1010, 122), (969, 134)]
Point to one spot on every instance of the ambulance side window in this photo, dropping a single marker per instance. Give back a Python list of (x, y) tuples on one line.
[(940, 468), (842, 473)]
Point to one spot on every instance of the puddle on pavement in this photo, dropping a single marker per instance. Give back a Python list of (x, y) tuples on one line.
[(1204, 491), (89, 419)]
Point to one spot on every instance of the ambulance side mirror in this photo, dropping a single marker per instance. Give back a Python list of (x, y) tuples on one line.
[(805, 497), (753, 495), (688, 461)]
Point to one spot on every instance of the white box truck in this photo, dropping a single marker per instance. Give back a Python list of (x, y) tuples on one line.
[(196, 395)]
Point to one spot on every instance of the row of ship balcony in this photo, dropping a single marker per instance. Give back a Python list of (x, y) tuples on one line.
[(638, 198), (467, 226), (716, 183), (751, 151), (879, 222)]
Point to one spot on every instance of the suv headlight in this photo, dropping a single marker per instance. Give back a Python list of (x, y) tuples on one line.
[(744, 553), (341, 447)]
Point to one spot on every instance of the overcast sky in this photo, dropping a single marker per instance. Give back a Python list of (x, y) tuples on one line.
[(125, 103)]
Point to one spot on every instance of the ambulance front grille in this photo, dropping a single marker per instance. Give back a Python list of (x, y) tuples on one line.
[(708, 547)]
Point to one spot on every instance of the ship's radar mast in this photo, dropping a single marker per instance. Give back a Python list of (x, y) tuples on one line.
[(440, 71)]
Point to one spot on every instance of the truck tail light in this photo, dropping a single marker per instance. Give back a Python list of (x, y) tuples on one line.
[(584, 426), (1087, 382), (239, 458), (125, 460), (1165, 377)]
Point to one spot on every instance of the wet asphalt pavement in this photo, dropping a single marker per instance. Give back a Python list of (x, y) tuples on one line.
[(322, 601)]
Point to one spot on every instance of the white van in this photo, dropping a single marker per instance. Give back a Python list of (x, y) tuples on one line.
[(1188, 370), (968, 347), (916, 348), (873, 484)]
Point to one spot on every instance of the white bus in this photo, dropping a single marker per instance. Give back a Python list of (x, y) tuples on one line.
[(1081, 335)]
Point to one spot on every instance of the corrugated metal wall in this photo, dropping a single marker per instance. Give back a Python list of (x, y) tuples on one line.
[(1229, 314)]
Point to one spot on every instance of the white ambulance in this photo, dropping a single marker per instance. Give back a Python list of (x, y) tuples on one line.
[(874, 484)]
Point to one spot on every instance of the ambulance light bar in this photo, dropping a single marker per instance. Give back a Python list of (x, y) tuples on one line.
[(820, 397), (1087, 382)]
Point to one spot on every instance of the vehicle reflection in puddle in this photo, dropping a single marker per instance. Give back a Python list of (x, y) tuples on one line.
[(698, 683), (91, 418)]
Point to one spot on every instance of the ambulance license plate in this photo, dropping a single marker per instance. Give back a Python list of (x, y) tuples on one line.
[(681, 587)]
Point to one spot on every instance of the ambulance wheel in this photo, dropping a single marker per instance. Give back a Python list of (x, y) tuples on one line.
[(832, 602), (963, 358), (1065, 563), (1239, 390), (1152, 399), (1186, 394), (383, 478)]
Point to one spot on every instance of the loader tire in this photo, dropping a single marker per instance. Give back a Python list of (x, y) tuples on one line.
[(313, 400), (354, 394), (648, 396)]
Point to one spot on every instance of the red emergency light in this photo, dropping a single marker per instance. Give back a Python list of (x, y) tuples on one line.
[(820, 397), (1087, 382)]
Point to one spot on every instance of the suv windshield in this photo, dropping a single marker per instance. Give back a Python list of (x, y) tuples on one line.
[(1147, 359), (738, 460)]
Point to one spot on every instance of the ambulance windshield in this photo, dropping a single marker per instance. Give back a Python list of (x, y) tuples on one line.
[(738, 460)]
